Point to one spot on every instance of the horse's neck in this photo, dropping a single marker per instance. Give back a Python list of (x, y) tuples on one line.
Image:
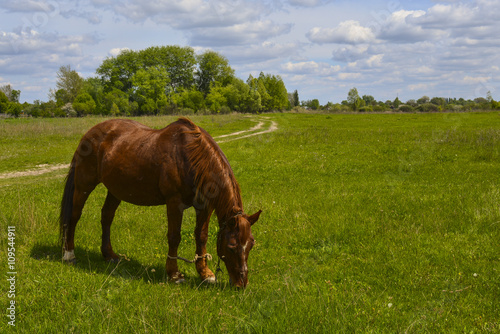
[(228, 207)]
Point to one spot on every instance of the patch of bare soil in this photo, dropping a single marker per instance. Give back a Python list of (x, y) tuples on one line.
[(40, 169)]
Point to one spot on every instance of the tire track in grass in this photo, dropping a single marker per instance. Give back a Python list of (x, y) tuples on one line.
[(41, 169), (272, 126), (253, 131)]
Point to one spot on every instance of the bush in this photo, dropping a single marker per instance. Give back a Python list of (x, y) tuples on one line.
[(428, 107), (405, 108)]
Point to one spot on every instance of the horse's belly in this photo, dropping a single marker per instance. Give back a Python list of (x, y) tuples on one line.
[(139, 188)]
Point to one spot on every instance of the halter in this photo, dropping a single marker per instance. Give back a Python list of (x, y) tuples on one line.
[(208, 256), (219, 239)]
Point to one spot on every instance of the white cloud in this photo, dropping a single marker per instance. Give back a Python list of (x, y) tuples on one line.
[(308, 3), (349, 76), (347, 32), (475, 80), (400, 27), (29, 41), (311, 68), (187, 14), (238, 34), (351, 53), (116, 51), (30, 5)]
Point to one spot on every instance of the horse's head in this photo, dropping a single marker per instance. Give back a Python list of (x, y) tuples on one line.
[(234, 244)]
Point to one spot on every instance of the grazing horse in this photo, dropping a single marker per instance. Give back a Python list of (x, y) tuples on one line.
[(180, 166)]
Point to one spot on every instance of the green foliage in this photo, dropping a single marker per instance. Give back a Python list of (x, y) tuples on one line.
[(272, 91), (215, 99), (428, 107), (12, 94), (10, 107), (213, 69), (69, 84), (84, 104), (4, 103), (397, 102), (406, 108), (188, 98), (148, 89), (295, 100), (118, 103), (354, 101)]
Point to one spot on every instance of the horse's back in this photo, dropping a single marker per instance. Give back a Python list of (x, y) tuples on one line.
[(136, 163)]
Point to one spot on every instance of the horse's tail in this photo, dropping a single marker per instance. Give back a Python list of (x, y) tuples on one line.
[(67, 204)]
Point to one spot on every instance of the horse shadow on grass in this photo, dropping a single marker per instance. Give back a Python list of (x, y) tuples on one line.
[(92, 262)]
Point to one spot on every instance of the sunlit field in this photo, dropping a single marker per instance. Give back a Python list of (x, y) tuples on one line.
[(384, 223)]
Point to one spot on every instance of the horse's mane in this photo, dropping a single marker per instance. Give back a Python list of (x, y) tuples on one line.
[(213, 177)]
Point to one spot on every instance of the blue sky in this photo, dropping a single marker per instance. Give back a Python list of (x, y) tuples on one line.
[(321, 48)]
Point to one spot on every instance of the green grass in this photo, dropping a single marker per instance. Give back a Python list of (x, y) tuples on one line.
[(383, 223)]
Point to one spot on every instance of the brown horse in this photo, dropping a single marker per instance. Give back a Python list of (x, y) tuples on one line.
[(180, 166)]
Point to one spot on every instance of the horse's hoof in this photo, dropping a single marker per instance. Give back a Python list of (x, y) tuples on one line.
[(69, 257), (210, 280), (113, 260)]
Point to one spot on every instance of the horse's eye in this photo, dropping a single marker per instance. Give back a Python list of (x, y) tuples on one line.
[(232, 246)]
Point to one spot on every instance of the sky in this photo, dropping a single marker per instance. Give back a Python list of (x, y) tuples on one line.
[(321, 48)]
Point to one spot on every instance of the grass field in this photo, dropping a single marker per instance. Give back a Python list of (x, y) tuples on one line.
[(384, 223)]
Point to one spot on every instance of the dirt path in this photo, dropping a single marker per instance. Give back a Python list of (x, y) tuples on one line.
[(40, 169), (273, 126), (253, 131)]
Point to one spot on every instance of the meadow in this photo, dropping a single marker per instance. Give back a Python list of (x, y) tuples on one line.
[(371, 223)]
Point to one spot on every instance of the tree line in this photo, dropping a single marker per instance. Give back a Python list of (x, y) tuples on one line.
[(175, 80), (367, 103), (159, 80)]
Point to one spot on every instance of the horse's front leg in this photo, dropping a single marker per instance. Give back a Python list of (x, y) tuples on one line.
[(174, 215), (201, 236)]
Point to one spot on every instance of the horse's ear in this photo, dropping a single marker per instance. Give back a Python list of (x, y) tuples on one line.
[(253, 218)]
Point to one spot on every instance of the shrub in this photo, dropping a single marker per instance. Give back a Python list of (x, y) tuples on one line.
[(405, 108), (428, 107)]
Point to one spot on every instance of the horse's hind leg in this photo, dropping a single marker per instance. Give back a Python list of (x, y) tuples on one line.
[(79, 199), (107, 215)]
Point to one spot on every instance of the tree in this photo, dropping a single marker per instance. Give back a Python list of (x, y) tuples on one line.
[(84, 104), (12, 94), (95, 88), (439, 101), (188, 98), (212, 68), (312, 104), (397, 102), (117, 102), (272, 91), (70, 82), (116, 72), (179, 63), (215, 99), (148, 88), (4, 102), (423, 99), (369, 100), (353, 99), (293, 98)]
